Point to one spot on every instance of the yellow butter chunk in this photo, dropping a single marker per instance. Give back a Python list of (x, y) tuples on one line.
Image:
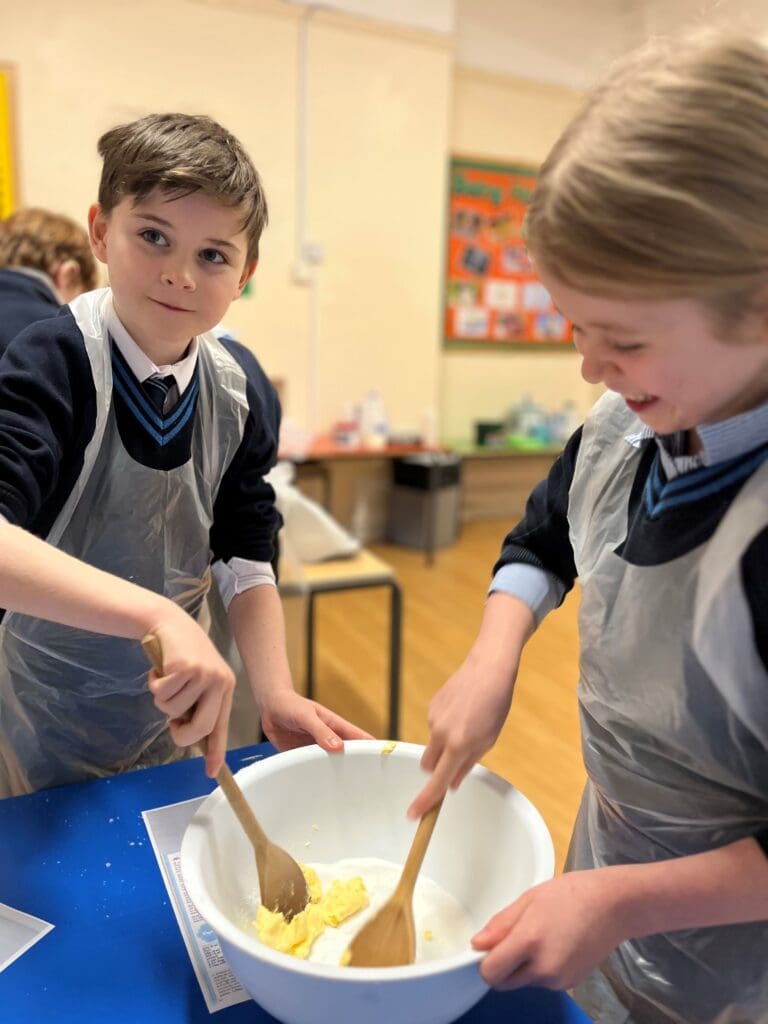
[(428, 935), (346, 956), (388, 747), (343, 899), (313, 883), (296, 936)]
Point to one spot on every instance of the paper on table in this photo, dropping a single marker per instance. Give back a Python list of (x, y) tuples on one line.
[(219, 986), (18, 931)]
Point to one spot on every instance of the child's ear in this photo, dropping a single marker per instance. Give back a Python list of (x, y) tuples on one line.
[(68, 280), (247, 274), (97, 231)]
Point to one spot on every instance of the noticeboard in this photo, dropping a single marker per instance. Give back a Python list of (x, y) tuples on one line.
[(493, 299)]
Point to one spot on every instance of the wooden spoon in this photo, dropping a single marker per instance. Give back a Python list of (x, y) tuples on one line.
[(389, 938), (282, 883)]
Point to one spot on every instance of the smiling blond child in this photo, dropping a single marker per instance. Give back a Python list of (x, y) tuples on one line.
[(133, 439), (649, 226)]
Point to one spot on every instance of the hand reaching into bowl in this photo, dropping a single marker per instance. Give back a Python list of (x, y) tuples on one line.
[(467, 714)]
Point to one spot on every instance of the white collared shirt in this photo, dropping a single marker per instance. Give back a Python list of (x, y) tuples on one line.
[(139, 362)]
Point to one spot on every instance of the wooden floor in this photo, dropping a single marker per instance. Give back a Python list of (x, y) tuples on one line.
[(538, 749)]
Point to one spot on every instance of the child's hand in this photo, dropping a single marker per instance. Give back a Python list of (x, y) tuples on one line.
[(290, 720), (554, 935), (465, 718), (195, 689)]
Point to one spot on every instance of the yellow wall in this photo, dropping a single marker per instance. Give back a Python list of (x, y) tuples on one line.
[(378, 109), (514, 121), (386, 107), (378, 129)]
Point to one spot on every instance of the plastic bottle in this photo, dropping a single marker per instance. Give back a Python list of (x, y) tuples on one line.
[(527, 416), (429, 428), (375, 426)]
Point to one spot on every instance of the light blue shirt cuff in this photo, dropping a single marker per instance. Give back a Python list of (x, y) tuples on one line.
[(540, 590), (240, 574)]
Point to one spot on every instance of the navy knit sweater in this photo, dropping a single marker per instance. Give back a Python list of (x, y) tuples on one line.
[(48, 415), (23, 301)]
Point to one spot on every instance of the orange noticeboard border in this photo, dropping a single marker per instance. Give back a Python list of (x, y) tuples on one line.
[(493, 298), (8, 166)]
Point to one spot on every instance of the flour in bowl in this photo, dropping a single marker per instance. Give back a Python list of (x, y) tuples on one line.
[(443, 926)]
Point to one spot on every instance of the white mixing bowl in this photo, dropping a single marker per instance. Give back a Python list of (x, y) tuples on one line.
[(489, 845)]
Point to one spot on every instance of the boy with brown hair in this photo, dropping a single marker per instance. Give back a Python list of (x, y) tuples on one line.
[(133, 439)]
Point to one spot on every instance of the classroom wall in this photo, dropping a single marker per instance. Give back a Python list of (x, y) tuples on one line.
[(514, 121), (376, 135), (385, 106)]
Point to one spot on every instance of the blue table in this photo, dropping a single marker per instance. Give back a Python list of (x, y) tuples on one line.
[(79, 856)]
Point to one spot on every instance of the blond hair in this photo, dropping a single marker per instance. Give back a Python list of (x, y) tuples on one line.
[(41, 240), (659, 186), (182, 154)]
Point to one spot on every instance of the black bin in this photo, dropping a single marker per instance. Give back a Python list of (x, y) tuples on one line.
[(424, 508)]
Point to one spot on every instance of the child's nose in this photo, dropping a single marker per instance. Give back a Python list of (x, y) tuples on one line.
[(178, 275), (593, 365), (592, 369)]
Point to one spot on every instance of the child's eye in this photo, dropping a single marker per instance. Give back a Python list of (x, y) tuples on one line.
[(153, 236), (212, 256), (617, 346)]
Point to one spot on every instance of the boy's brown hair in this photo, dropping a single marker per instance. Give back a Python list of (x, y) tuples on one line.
[(182, 154), (41, 240)]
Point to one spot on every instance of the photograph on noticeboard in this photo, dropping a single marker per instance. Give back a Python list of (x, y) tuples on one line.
[(493, 298)]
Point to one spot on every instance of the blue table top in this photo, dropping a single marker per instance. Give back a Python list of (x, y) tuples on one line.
[(79, 856)]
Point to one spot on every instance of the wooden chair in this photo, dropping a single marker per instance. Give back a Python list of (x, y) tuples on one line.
[(363, 570)]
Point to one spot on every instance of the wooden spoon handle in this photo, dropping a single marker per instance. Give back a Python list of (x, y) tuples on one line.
[(241, 807), (418, 849), (154, 651)]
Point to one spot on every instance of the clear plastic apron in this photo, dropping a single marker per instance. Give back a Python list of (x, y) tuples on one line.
[(674, 714), (74, 705)]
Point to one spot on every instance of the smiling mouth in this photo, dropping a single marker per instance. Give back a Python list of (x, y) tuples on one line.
[(636, 402), (174, 309)]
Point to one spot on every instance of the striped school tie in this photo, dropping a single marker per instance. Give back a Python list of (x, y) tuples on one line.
[(162, 392)]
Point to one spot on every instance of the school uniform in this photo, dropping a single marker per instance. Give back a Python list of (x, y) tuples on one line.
[(26, 296), (94, 463), (671, 552)]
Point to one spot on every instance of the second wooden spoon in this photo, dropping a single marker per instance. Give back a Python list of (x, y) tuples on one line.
[(389, 938), (282, 883)]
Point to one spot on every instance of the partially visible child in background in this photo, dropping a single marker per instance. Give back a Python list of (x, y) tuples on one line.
[(45, 261), (649, 226)]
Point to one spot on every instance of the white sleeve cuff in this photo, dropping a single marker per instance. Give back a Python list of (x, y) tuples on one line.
[(240, 574), (539, 589)]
